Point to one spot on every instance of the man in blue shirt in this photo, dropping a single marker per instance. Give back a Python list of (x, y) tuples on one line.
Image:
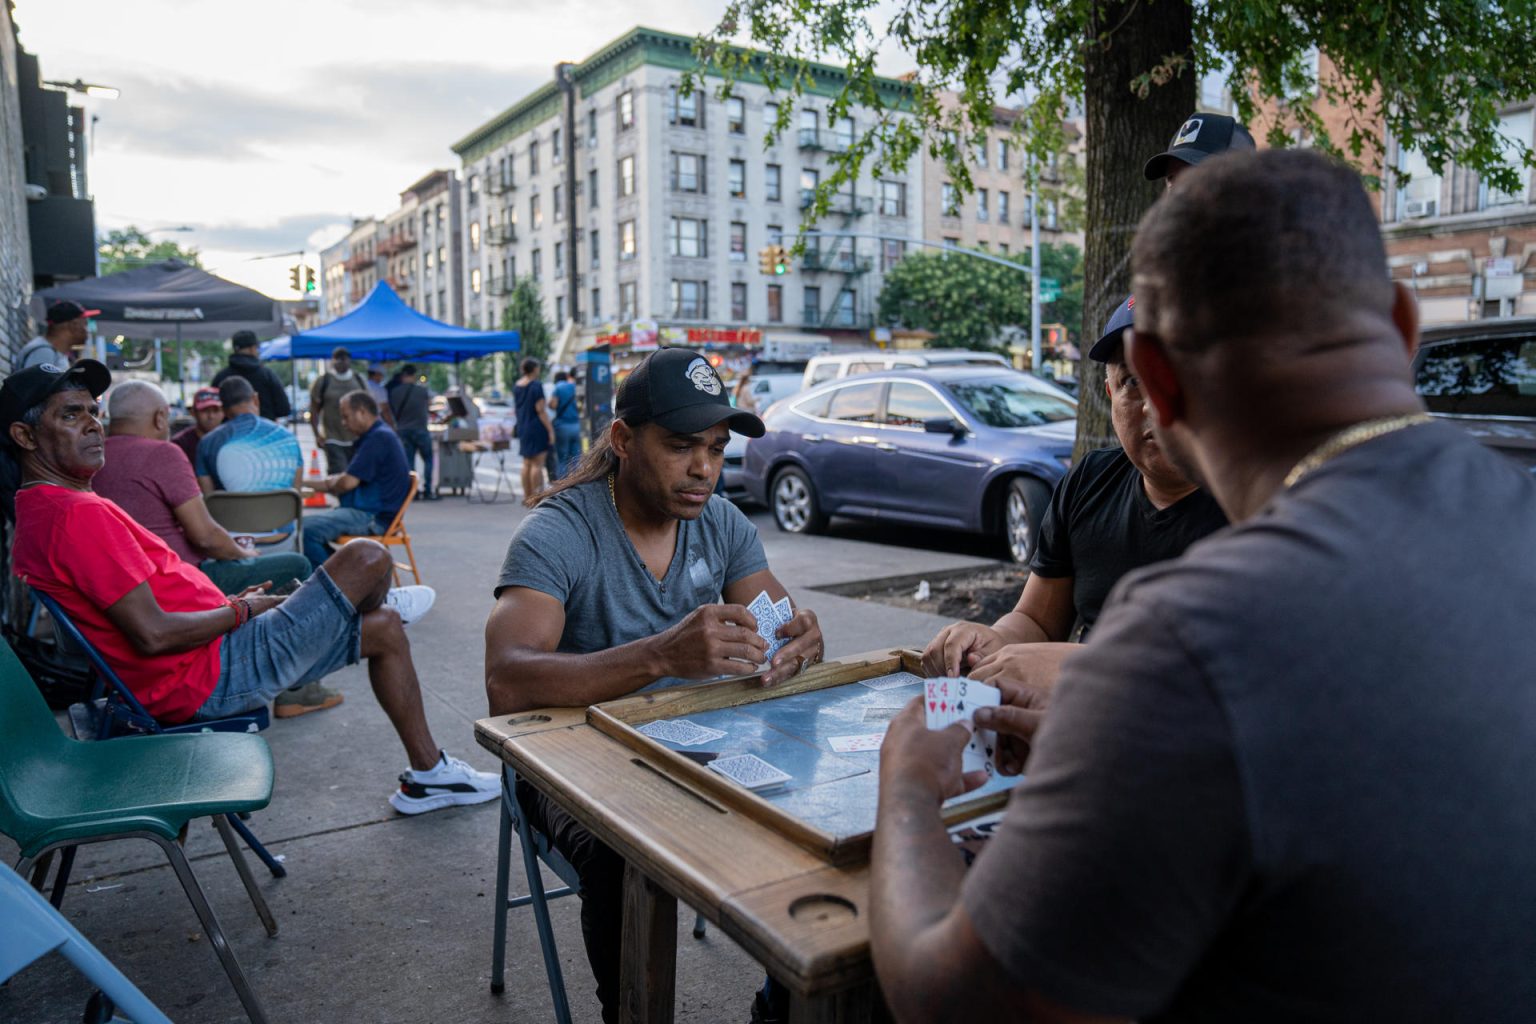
[(246, 453), (373, 487), (567, 425)]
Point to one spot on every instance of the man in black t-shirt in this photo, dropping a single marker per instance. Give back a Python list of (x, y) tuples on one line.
[(1118, 509)]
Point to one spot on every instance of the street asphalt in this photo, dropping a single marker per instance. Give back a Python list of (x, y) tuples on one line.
[(386, 918)]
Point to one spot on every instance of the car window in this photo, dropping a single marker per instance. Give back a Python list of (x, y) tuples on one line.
[(865, 367), (823, 373), (908, 405), (815, 405), (1481, 377), (762, 387), (1002, 402), (857, 403)]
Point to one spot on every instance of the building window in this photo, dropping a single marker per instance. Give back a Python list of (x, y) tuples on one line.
[(592, 188), (1002, 248), (687, 172), (559, 203), (627, 300), (592, 129), (980, 149), (1048, 215), (427, 260), (982, 211), (737, 179), (538, 265), (842, 132), (626, 110), (773, 182), (809, 179), (555, 154), (1002, 207), (1420, 195), (426, 223), (533, 157), (811, 313), (810, 127), (738, 300), (1002, 154), (558, 267), (535, 212), (891, 253), (594, 249), (688, 237), (474, 236), (1514, 131), (627, 240), (775, 303), (474, 280), (690, 299), (738, 242), (474, 189), (844, 314), (893, 199), (686, 111), (626, 176), (597, 305), (736, 115), (949, 200), (951, 242), (442, 256)]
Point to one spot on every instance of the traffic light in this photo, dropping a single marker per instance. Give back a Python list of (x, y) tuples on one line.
[(781, 260), (294, 278), (309, 279), (773, 260)]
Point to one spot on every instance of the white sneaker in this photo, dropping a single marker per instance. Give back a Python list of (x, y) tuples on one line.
[(411, 602), (448, 783)]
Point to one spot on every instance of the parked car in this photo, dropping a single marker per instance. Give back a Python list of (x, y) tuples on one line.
[(965, 448), (821, 369), (1482, 376), (754, 393)]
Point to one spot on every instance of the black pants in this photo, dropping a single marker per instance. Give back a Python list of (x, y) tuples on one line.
[(601, 871)]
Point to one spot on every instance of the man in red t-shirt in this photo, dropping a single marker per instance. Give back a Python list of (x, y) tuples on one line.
[(183, 648)]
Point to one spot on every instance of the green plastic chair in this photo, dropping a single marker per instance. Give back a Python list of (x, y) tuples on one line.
[(58, 792)]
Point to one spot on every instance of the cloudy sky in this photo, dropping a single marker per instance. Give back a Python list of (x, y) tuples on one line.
[(267, 126)]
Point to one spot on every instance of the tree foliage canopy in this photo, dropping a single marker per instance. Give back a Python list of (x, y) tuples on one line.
[(127, 248), (525, 314)]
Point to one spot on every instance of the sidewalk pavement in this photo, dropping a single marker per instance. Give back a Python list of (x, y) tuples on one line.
[(385, 918)]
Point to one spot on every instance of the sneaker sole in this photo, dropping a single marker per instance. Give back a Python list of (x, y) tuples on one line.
[(436, 802), (295, 710)]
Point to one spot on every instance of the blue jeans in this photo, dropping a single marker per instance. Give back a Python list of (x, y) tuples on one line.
[(281, 567), (325, 525), (567, 448), (417, 439)]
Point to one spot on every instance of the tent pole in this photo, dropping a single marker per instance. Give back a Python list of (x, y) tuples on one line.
[(293, 406), (181, 367)]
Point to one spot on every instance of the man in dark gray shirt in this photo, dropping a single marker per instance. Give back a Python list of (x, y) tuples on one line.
[(409, 404), (1289, 777), (628, 574)]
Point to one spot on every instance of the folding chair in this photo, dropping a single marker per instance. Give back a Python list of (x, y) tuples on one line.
[(536, 847), (114, 711), (395, 536), (58, 793), (34, 929), (263, 515)]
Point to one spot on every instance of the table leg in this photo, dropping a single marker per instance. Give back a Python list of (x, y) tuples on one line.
[(648, 963), (856, 1005)]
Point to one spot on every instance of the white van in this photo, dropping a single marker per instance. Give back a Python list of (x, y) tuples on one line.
[(845, 364)]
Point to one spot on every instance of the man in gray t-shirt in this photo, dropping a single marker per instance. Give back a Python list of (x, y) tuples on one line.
[(630, 573), (1289, 777)]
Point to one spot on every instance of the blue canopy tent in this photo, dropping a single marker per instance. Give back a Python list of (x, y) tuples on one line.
[(383, 328)]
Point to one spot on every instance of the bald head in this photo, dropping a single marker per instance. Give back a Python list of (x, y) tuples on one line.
[(139, 409)]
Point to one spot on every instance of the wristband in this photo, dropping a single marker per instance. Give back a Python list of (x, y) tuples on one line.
[(242, 612)]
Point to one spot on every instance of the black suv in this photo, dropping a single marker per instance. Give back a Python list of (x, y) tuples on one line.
[(1482, 375)]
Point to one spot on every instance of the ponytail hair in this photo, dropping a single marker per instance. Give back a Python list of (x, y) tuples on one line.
[(599, 461)]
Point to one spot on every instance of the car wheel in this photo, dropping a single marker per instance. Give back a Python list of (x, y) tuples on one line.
[(794, 503), (1024, 502)]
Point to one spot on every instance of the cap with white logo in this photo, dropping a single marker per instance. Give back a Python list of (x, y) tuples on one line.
[(678, 389), (1202, 136)]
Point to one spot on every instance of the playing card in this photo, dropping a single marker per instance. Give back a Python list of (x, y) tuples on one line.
[(782, 608), (762, 610), (881, 713), (680, 731), (947, 700), (749, 770), (891, 681), (856, 744)]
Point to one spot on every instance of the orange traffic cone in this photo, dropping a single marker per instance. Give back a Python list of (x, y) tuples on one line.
[(315, 500)]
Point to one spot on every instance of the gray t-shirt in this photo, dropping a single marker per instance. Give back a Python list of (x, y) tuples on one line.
[(1291, 775), (410, 403), (573, 547), (39, 352)]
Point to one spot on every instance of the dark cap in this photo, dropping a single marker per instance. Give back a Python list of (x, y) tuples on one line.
[(207, 398), (63, 311), (26, 388), (678, 389), (1108, 345), (1201, 136), (243, 339)]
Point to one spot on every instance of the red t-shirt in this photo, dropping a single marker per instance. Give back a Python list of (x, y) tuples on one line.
[(148, 479), (86, 553)]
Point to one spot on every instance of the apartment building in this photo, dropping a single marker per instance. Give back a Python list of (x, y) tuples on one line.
[(632, 204)]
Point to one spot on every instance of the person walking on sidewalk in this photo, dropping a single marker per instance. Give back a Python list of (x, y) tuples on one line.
[(408, 406), (325, 397), (535, 432), (245, 362), (567, 426)]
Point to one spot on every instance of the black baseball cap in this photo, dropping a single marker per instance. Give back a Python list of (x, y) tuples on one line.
[(1203, 135), (26, 388), (1109, 342), (678, 389), (63, 311)]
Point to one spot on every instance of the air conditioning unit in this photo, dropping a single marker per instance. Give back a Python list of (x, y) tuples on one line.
[(1415, 209)]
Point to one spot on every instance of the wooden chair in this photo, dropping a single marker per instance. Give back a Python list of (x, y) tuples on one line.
[(263, 515), (395, 536)]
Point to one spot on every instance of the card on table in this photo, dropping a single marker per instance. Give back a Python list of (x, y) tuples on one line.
[(891, 681), (949, 699), (856, 744), (750, 771), (679, 731)]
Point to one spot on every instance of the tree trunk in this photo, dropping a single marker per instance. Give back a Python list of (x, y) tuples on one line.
[(1126, 39)]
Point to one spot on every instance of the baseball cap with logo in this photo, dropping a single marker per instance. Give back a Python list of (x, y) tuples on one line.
[(207, 398), (1108, 345), (26, 388), (63, 311), (678, 389), (1203, 135)]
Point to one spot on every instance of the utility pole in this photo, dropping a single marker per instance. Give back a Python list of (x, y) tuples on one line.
[(1034, 269)]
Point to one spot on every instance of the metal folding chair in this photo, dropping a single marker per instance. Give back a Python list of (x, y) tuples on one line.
[(536, 848), (264, 515)]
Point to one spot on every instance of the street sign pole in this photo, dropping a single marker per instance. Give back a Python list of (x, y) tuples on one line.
[(1034, 274)]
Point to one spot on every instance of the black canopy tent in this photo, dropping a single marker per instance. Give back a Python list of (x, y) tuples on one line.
[(169, 299)]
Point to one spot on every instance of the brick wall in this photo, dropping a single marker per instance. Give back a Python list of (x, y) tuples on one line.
[(15, 247)]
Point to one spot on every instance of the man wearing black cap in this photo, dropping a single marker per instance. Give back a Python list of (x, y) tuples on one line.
[(630, 574), (1201, 136), (244, 361), (1117, 510), (66, 331)]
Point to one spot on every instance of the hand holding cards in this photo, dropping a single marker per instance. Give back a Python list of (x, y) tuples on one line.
[(770, 615), (949, 699)]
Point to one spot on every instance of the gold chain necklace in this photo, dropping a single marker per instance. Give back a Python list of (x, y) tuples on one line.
[(659, 580), (1350, 437)]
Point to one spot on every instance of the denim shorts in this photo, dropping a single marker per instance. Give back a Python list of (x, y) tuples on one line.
[(310, 635)]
